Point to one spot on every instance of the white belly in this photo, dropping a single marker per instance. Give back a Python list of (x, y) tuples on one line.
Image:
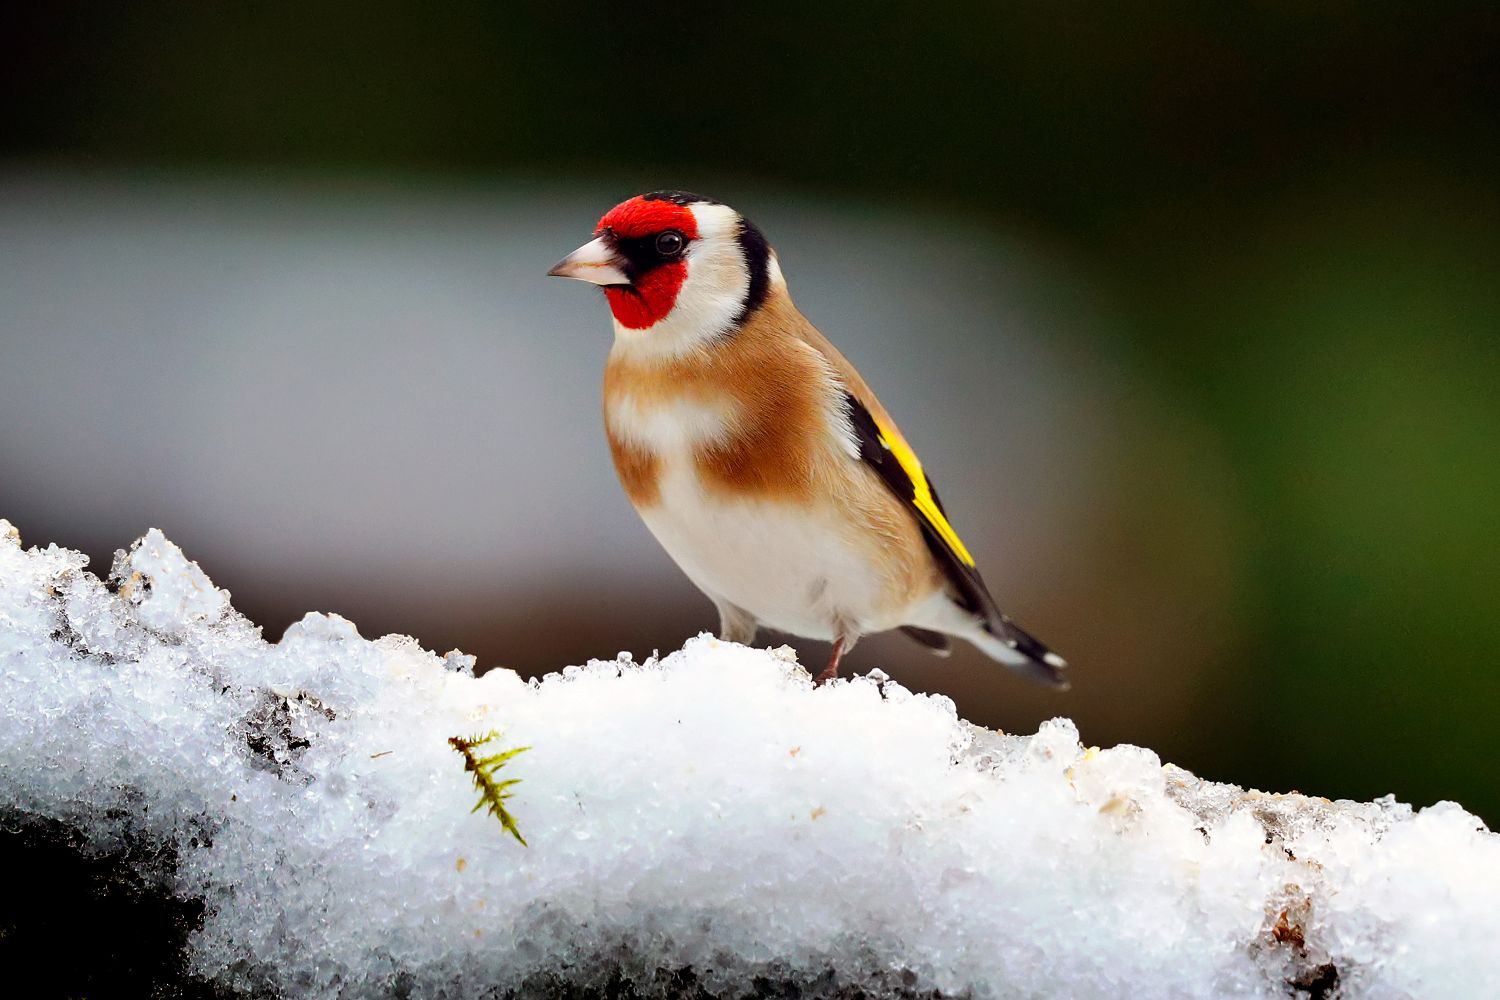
[(788, 565)]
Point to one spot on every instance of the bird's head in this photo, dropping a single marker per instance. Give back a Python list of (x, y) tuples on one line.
[(678, 269)]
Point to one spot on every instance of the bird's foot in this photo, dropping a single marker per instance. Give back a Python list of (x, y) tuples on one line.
[(832, 670)]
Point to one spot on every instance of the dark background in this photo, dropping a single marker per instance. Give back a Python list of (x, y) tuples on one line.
[(1234, 266)]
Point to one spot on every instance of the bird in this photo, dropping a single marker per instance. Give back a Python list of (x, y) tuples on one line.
[(760, 458)]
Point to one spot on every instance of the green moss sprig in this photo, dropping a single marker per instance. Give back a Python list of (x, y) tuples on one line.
[(492, 793)]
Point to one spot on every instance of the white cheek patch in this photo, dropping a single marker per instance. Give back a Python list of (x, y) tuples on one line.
[(711, 296), (715, 221)]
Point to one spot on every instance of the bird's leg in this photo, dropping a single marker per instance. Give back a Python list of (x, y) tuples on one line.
[(735, 623), (832, 670)]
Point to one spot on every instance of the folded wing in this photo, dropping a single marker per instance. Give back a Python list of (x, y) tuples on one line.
[(883, 449)]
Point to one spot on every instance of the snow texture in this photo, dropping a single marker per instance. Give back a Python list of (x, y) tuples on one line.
[(708, 821)]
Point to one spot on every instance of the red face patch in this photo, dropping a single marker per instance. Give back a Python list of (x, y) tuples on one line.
[(639, 217), (654, 291), (648, 301)]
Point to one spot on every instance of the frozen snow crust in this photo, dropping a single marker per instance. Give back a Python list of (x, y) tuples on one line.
[(709, 821)]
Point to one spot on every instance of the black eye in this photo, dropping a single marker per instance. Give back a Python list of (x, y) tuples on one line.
[(670, 243)]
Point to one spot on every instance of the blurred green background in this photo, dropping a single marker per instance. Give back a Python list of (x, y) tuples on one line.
[(1282, 219)]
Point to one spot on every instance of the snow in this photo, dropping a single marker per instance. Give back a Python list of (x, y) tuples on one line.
[(709, 819)]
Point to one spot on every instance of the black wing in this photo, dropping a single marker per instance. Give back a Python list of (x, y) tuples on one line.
[(900, 470)]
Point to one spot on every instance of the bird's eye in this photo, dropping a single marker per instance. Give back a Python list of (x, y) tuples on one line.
[(670, 243)]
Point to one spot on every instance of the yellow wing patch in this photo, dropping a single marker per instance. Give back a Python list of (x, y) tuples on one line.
[(922, 497)]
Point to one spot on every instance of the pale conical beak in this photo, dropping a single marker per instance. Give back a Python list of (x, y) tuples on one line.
[(595, 261)]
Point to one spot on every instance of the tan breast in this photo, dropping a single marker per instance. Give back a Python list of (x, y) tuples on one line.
[(752, 412), (639, 469), (760, 417)]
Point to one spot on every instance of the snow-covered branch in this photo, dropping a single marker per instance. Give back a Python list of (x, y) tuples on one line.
[(707, 821)]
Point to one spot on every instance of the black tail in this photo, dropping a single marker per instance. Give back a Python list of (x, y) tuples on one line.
[(1023, 652)]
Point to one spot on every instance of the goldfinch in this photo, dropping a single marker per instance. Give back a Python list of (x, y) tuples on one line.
[(758, 456)]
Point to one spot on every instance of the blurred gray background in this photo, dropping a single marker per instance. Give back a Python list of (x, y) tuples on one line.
[(1193, 313)]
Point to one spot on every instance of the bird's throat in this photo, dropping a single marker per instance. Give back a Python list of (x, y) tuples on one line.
[(650, 299)]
